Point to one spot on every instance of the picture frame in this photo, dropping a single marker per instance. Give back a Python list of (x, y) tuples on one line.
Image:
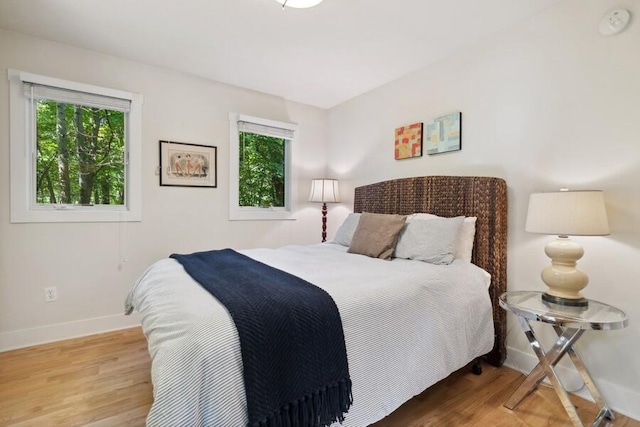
[(444, 134), (188, 165), (408, 141)]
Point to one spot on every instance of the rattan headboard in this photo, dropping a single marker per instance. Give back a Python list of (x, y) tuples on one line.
[(482, 197)]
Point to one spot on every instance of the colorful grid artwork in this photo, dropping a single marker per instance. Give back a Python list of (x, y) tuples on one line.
[(408, 141), (444, 134)]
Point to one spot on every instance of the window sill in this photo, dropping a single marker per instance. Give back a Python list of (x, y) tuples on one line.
[(73, 215), (260, 215)]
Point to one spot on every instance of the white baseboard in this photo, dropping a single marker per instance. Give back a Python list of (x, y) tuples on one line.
[(620, 399), (62, 331)]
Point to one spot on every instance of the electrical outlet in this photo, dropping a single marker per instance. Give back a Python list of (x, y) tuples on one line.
[(50, 294)]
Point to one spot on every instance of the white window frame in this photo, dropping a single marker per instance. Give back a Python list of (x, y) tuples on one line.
[(23, 151), (248, 213)]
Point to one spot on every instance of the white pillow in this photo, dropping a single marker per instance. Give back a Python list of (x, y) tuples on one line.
[(466, 237), (345, 232), (432, 241)]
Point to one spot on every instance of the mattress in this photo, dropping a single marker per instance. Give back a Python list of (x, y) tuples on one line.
[(407, 325)]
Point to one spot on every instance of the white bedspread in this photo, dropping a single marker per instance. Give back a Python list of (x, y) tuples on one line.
[(407, 325)]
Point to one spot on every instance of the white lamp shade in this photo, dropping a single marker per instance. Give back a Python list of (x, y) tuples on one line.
[(568, 213), (299, 4), (324, 190)]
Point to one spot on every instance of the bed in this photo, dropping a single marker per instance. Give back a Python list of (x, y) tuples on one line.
[(407, 324)]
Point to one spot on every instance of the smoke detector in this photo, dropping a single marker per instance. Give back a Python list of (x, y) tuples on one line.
[(614, 22)]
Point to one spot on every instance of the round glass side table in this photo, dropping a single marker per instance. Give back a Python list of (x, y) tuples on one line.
[(569, 323)]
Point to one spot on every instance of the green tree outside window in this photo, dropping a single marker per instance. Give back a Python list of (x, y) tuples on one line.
[(262, 171), (80, 154)]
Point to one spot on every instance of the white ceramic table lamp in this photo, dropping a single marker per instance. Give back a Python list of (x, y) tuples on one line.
[(566, 213)]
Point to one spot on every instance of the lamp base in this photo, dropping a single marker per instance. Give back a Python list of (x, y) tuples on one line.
[(324, 222), (562, 277), (568, 302)]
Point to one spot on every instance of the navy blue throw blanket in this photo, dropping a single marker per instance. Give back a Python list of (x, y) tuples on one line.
[(293, 351)]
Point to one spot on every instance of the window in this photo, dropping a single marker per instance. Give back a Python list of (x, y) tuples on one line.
[(75, 151), (260, 168)]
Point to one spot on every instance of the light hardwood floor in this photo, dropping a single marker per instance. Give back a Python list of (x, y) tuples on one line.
[(103, 380)]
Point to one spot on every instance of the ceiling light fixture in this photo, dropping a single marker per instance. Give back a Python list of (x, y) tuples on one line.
[(299, 4)]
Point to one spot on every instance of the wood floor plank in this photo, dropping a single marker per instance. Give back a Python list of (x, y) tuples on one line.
[(104, 380), (77, 382)]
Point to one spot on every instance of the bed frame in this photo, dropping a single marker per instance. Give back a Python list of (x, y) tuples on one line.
[(482, 197)]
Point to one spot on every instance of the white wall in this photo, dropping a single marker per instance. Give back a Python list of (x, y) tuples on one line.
[(547, 104), (86, 261)]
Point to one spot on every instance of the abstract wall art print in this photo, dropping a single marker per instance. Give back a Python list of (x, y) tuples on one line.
[(408, 141), (444, 134)]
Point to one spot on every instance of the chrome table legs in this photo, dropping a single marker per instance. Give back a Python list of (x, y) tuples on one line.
[(567, 337)]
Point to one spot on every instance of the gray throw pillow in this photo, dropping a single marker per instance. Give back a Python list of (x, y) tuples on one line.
[(376, 235), (432, 241), (345, 232)]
